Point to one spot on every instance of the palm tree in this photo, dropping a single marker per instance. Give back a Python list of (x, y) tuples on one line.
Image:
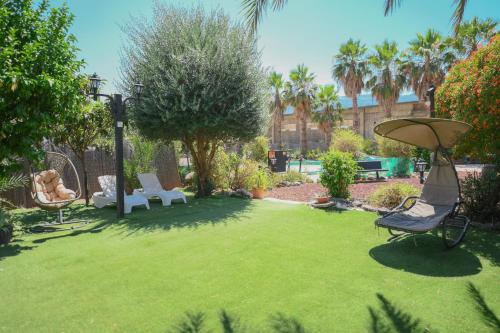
[(277, 105), (300, 93), (350, 69), (328, 109), (471, 34), (387, 81), (457, 16), (426, 62)]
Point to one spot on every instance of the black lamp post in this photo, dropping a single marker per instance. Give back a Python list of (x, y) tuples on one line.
[(420, 166), (430, 94), (118, 110)]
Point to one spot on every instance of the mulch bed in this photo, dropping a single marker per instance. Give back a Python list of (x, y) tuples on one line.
[(360, 191)]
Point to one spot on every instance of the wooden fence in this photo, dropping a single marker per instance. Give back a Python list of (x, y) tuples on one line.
[(101, 162)]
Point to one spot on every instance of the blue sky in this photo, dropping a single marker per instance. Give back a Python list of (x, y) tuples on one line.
[(305, 31)]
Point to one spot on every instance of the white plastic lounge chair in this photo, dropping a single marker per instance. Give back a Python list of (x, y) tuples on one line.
[(151, 187), (439, 203), (108, 195)]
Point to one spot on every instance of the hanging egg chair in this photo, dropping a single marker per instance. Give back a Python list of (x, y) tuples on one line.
[(49, 192)]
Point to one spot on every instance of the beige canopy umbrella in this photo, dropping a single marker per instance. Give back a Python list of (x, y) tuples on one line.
[(439, 204), (429, 133)]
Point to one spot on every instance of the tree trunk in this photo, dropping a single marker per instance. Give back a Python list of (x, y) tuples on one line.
[(303, 133), (328, 137), (203, 154), (388, 112), (355, 114), (277, 131), (85, 178)]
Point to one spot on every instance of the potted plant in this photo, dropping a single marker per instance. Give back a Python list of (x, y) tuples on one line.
[(260, 182), (322, 197)]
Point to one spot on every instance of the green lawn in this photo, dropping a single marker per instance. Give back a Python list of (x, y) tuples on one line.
[(327, 271)]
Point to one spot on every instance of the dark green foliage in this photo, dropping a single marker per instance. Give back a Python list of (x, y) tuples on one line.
[(6, 226), (339, 169), (203, 80), (481, 196), (424, 154), (38, 76)]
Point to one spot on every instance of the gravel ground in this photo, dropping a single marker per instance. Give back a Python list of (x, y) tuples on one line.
[(306, 192)]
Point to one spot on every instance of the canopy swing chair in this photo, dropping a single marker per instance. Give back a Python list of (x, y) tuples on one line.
[(49, 192), (438, 205)]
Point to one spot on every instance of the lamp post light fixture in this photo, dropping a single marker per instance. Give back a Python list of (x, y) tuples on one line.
[(117, 104), (420, 166)]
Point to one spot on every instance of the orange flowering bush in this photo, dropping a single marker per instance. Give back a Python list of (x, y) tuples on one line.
[(471, 93)]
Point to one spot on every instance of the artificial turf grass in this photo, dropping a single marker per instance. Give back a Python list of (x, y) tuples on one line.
[(250, 258)]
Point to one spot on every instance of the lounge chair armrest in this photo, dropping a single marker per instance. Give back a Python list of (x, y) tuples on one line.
[(401, 207)]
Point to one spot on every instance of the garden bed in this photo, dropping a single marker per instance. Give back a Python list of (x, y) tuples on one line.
[(360, 191)]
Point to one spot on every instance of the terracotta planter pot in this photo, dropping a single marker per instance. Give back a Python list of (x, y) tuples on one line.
[(259, 193), (322, 200)]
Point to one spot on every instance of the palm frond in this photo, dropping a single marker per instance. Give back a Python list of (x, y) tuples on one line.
[(390, 5), (254, 10), (458, 14), (12, 182)]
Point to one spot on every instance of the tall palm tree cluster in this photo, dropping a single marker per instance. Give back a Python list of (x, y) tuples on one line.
[(385, 72), (308, 99)]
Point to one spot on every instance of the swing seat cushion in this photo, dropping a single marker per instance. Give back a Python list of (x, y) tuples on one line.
[(50, 187), (422, 217)]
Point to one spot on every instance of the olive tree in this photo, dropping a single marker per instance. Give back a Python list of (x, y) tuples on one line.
[(39, 80), (203, 79)]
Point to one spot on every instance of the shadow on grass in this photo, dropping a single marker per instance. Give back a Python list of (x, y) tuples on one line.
[(490, 319), (194, 322), (389, 319), (428, 257), (191, 215), (12, 249), (484, 243), (195, 213)]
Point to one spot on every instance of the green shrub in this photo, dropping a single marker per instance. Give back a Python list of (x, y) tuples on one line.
[(314, 154), (140, 161), (183, 171), (221, 169), (257, 149), (260, 179), (481, 196), (424, 154), (289, 176), (232, 170), (339, 170), (348, 141), (390, 196), (370, 147), (392, 148)]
